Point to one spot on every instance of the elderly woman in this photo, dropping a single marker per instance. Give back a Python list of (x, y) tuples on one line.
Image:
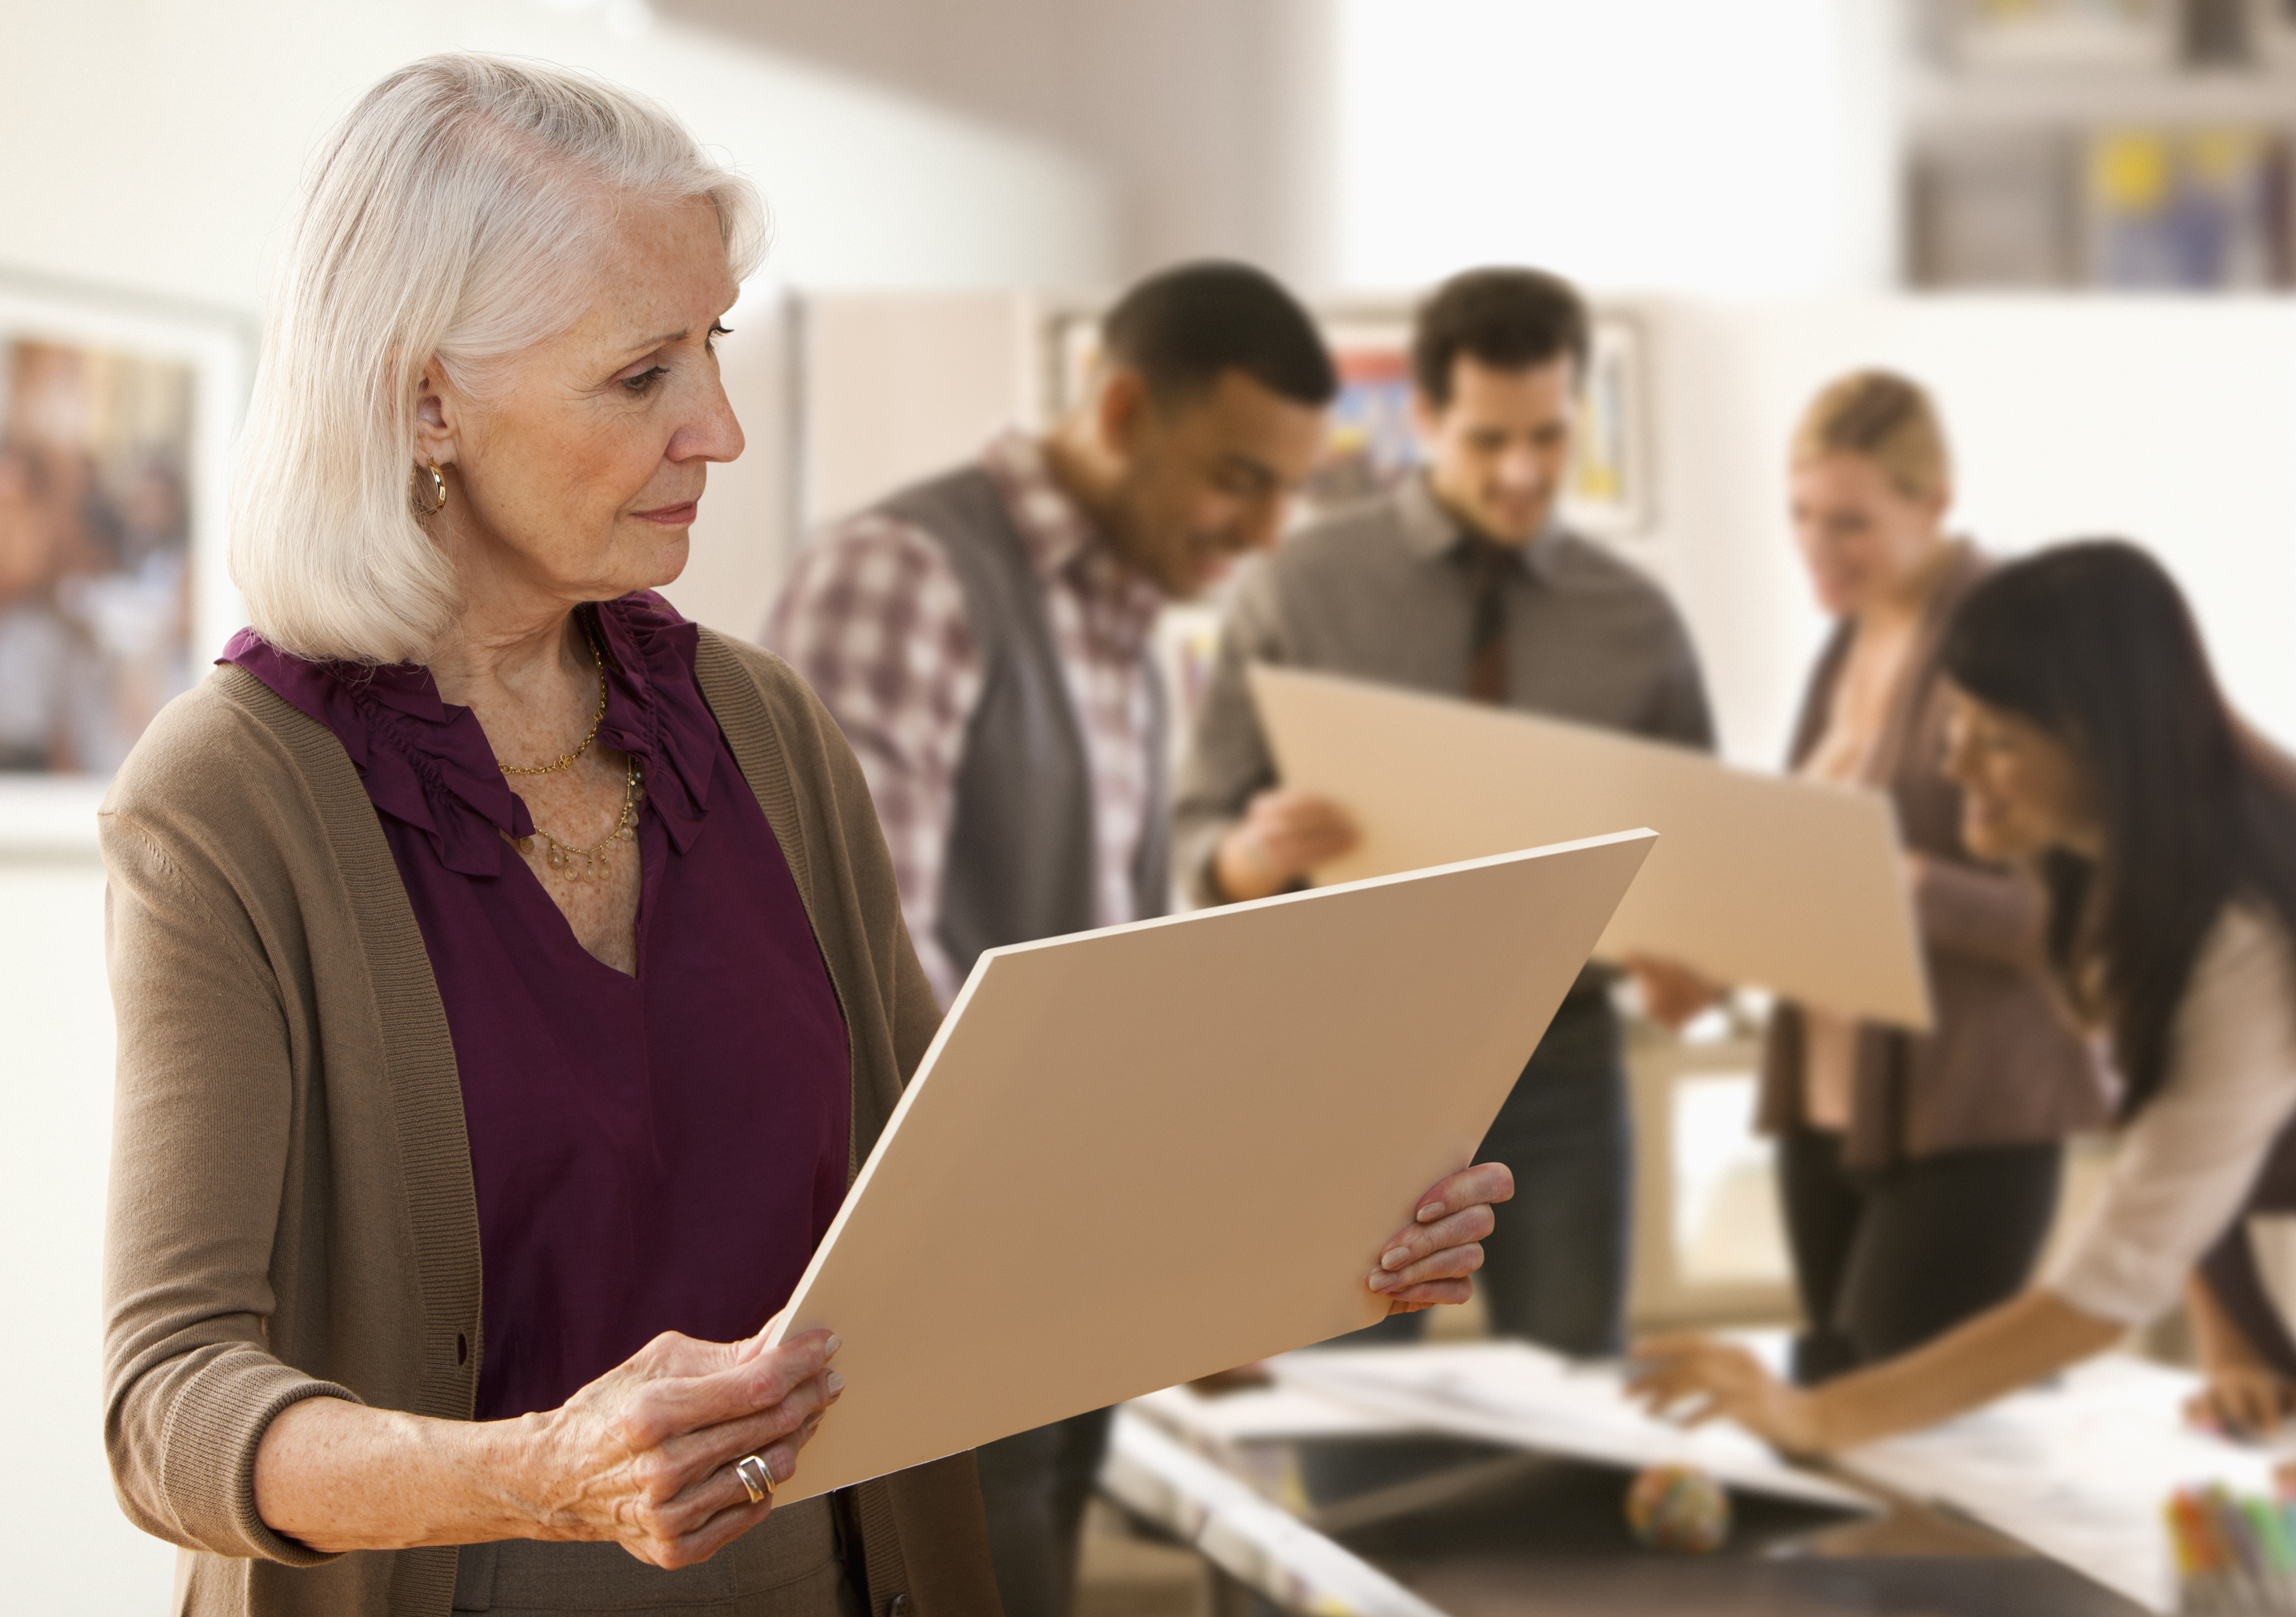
[(509, 974)]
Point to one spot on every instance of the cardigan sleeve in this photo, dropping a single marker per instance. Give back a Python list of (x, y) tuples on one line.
[(201, 1122)]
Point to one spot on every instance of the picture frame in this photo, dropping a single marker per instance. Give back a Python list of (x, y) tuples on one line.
[(1612, 490), (117, 416)]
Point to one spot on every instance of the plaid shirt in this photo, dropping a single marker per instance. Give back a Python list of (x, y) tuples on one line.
[(872, 615)]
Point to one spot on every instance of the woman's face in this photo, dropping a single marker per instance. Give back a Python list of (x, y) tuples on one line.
[(576, 475), (1863, 538), (2022, 790)]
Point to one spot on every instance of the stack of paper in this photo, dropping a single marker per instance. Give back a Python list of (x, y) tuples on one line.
[(1513, 1393)]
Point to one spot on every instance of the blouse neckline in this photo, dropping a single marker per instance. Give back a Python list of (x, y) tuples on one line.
[(426, 762)]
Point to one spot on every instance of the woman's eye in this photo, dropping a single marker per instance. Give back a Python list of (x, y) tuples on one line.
[(643, 381)]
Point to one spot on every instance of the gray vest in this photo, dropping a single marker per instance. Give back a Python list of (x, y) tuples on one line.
[(1021, 857)]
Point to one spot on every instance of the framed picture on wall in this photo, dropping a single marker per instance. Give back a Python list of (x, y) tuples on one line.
[(115, 424), (1610, 494), (1372, 447)]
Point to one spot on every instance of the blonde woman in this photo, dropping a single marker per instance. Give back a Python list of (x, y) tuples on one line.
[(1918, 1172), (509, 974)]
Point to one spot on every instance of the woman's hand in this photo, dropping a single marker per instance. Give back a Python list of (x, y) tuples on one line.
[(2241, 1401), (1431, 1260), (1719, 1378), (645, 1454), (2244, 1396)]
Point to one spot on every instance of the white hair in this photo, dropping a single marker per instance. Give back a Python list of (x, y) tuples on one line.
[(453, 215)]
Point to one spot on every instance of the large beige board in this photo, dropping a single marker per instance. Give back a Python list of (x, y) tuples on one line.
[(1780, 883), (1137, 1156)]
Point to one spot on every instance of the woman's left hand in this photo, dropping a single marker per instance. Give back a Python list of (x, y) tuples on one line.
[(1720, 1378), (1433, 1259)]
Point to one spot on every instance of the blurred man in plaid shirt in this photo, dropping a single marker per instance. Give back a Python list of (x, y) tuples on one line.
[(983, 638)]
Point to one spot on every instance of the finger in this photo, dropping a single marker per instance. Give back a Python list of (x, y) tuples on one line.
[(1428, 1294), (666, 1408), (1462, 1228), (1484, 1183), (722, 1490), (1452, 1263), (696, 1453), (707, 1536)]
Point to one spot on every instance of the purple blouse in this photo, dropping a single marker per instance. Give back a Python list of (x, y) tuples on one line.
[(654, 1153)]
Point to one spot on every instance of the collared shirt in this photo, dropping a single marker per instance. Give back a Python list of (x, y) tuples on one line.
[(607, 1114), (1383, 592), (873, 616)]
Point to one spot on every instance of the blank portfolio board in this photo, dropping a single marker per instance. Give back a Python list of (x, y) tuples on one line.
[(1137, 1157), (1758, 879)]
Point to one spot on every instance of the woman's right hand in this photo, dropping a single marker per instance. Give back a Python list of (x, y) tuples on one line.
[(645, 1454), (2243, 1401)]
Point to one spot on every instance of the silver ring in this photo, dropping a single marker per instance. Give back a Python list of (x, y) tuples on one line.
[(756, 1478)]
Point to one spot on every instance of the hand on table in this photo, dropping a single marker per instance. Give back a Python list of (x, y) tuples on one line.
[(1672, 993), (1719, 1378), (645, 1454), (1432, 1258), (2241, 1401), (1282, 836)]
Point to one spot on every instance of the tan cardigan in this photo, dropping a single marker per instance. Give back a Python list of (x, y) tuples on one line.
[(292, 1212), (2002, 1067)]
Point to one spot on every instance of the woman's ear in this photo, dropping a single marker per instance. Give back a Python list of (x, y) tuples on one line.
[(436, 408), (1939, 502)]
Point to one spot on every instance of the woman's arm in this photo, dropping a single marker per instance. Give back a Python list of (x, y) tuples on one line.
[(2002, 1350), (643, 1456), (1995, 917)]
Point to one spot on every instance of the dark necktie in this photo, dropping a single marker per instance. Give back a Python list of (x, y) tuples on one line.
[(1487, 566)]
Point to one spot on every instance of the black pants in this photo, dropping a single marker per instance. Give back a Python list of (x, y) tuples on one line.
[(1555, 1267), (1887, 1259), (1035, 1486)]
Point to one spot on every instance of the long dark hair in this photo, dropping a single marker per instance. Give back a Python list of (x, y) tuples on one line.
[(2093, 642)]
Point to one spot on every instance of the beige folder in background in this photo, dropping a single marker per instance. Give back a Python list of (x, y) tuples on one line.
[(1758, 879), (1137, 1156)]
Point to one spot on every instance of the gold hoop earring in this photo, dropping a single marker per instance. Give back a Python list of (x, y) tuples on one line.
[(438, 489)]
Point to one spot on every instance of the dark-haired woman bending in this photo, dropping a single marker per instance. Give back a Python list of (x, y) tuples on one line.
[(2089, 736)]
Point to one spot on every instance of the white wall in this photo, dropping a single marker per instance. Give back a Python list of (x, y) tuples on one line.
[(70, 1549), (2169, 420), (157, 145), (1649, 145)]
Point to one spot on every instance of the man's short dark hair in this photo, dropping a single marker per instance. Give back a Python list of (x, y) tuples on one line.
[(1182, 328), (1507, 319)]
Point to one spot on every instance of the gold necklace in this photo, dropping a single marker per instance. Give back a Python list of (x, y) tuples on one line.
[(566, 759), (594, 863)]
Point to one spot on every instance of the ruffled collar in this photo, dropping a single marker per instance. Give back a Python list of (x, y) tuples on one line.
[(427, 764)]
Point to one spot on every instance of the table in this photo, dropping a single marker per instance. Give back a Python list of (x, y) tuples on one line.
[(1523, 1517)]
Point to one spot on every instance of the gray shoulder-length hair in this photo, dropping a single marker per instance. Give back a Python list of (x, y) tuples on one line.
[(454, 214)]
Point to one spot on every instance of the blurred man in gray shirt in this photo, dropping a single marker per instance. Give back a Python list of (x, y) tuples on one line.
[(1463, 583)]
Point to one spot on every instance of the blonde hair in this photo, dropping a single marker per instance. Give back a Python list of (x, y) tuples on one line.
[(1888, 419), (454, 216)]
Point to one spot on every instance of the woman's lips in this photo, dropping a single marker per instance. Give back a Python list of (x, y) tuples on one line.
[(670, 516)]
